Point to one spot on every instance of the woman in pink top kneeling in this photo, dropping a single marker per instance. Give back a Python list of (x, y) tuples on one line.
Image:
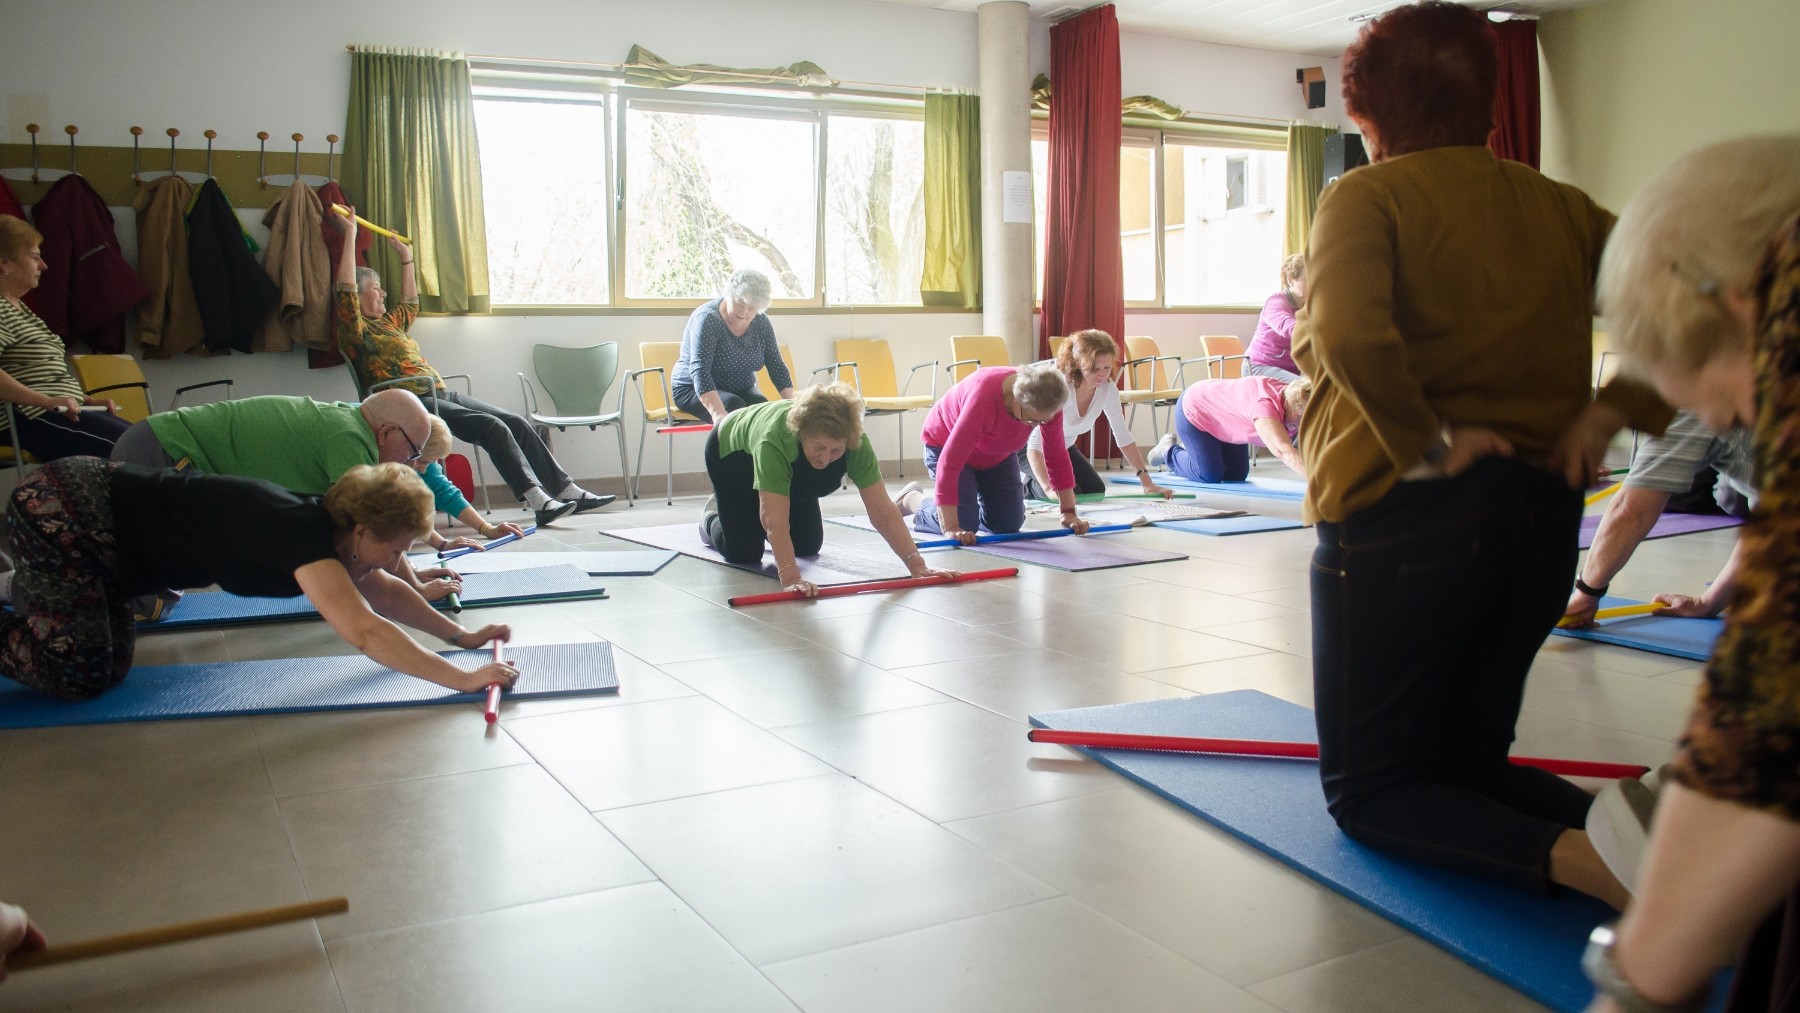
[(1219, 419), (972, 437)]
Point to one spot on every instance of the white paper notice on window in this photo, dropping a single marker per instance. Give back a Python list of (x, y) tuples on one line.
[(1015, 188)]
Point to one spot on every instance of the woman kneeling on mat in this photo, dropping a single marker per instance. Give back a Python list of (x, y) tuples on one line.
[(770, 464), (89, 535), (1219, 419), (1086, 361), (973, 436)]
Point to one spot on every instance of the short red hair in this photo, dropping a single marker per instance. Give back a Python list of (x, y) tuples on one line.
[(1422, 76)]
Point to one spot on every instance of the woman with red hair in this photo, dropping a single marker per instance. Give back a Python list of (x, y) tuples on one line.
[(1447, 331)]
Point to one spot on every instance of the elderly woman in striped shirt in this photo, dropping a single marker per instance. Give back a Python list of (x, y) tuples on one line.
[(725, 343), (34, 374)]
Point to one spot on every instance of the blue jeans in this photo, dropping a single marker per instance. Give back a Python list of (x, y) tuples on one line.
[(1203, 457), (1428, 609), (1275, 372), (996, 494)]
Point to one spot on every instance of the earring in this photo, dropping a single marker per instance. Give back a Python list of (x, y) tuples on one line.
[(353, 556)]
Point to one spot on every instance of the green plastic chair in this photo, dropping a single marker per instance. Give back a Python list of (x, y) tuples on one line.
[(576, 381)]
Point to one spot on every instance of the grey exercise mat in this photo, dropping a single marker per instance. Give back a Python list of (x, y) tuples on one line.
[(830, 566), (620, 563), (1073, 553)]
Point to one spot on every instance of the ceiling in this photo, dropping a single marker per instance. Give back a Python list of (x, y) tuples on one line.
[(1322, 27)]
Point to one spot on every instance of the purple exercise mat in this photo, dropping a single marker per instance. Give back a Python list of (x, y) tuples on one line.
[(1666, 526), (830, 566), (1101, 552)]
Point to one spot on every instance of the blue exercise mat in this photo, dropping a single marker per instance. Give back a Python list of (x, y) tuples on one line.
[(289, 685), (1671, 635), (219, 608), (1265, 488), (1530, 942), (1245, 525)]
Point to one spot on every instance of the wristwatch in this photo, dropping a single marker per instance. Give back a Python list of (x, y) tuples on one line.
[(1597, 962)]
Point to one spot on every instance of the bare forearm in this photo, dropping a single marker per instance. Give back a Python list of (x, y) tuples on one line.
[(409, 281), (1628, 518), (387, 644), (713, 403), (1719, 594), (401, 603), (1275, 437)]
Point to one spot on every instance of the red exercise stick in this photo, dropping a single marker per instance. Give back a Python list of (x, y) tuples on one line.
[(1298, 750), (840, 590), (493, 691)]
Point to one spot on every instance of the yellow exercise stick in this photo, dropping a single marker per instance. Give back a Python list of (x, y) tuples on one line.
[(1602, 494), (166, 934), (371, 226), (1621, 611)]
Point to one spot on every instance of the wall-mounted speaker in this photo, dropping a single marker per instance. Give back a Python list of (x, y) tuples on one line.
[(1312, 86), (1343, 152)]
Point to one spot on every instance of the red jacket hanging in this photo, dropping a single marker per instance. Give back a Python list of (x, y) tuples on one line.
[(88, 287)]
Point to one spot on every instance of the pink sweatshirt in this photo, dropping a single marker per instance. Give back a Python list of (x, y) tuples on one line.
[(1272, 345), (970, 427), (1228, 409)]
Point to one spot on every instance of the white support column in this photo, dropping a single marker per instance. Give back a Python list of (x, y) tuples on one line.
[(1007, 259)]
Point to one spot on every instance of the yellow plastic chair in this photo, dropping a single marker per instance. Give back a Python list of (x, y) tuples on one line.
[(121, 378), (766, 385), (973, 351), (1224, 356), (1056, 344), (1146, 379), (871, 368), (651, 381)]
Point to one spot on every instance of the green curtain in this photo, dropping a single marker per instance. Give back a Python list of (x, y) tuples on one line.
[(412, 164), (642, 67), (1306, 177), (952, 275)]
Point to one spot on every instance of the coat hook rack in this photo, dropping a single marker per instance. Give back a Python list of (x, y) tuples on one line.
[(290, 178), (192, 177), (36, 173)]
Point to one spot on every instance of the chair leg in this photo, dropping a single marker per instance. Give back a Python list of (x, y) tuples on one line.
[(624, 466), (669, 472), (638, 473), (900, 440), (487, 498)]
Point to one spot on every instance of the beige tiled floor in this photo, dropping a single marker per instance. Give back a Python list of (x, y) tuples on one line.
[(822, 806)]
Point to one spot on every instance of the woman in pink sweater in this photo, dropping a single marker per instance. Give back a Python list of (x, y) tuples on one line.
[(1271, 348), (971, 438), (1219, 419)]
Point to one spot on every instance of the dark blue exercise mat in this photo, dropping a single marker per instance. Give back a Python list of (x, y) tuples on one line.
[(1674, 636), (1532, 943), (1266, 488), (617, 563), (290, 685), (516, 587)]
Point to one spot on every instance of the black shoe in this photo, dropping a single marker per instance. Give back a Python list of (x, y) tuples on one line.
[(552, 510), (590, 501)]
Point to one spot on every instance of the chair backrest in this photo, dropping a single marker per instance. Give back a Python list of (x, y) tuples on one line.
[(1056, 343), (1220, 347), (1606, 361), (650, 355), (767, 386), (987, 349), (577, 379), (96, 371), (1145, 375), (874, 365)]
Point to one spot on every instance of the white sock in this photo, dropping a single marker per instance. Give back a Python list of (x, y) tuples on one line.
[(535, 498), (573, 492)]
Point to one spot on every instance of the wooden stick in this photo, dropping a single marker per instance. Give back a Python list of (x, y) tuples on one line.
[(1621, 611), (864, 587), (1296, 750), (143, 939), (344, 212), (1021, 536), (1602, 494)]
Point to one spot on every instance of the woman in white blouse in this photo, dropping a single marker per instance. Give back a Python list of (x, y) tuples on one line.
[(1087, 360)]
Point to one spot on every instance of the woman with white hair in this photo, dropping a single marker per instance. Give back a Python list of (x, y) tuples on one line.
[(725, 343), (771, 463), (1700, 287), (972, 438)]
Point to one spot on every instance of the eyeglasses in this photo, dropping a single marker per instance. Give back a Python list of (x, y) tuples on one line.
[(410, 445), (1705, 286)]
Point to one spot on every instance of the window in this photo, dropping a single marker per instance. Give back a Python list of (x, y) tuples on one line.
[(1199, 224), (874, 211), (543, 178), (707, 193)]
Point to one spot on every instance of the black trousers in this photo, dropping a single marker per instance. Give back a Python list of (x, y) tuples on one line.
[(1428, 609), (737, 531), (516, 449), (54, 435), (688, 400), (1087, 480)]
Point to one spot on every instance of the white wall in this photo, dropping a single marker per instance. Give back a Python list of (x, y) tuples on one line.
[(238, 68)]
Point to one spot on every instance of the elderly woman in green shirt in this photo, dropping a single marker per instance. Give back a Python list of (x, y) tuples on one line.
[(770, 464)]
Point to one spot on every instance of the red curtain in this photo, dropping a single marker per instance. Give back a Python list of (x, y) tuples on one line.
[(1084, 273), (1515, 133)]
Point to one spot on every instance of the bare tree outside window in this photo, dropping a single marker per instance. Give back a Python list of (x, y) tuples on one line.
[(543, 171), (874, 211)]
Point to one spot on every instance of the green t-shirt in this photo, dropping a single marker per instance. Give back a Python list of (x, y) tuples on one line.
[(294, 442), (761, 430)]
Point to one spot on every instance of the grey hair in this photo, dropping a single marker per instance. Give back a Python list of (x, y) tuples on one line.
[(1696, 231), (749, 287), (1040, 387), (365, 276)]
